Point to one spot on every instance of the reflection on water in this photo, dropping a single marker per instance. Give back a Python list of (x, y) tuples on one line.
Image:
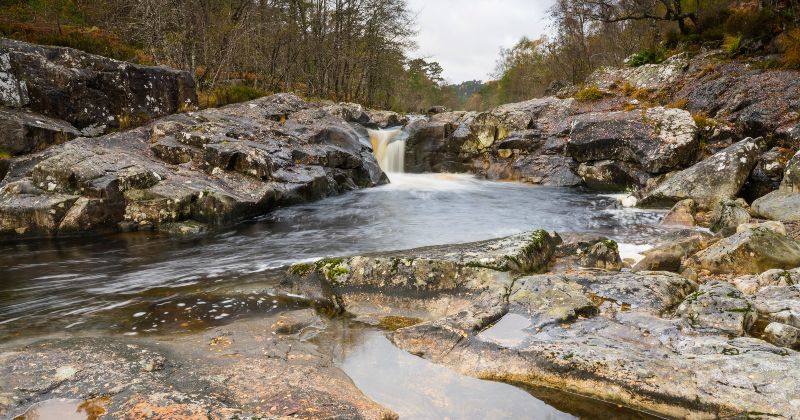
[(68, 280), (509, 331), (66, 409), (418, 389)]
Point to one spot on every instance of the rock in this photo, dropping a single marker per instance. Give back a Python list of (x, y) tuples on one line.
[(548, 170), (212, 167), (648, 76), (550, 300), (784, 203), (437, 110), (749, 252), (726, 93), (718, 306), (669, 256), (776, 277), (767, 174), (26, 132), (732, 213), (603, 255), (610, 175), (782, 335), (717, 178), (772, 225), (780, 304), (92, 93), (658, 139), (681, 214)]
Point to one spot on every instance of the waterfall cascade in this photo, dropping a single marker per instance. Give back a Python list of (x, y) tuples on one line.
[(389, 147)]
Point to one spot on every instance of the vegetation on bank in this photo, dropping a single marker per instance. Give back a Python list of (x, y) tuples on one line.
[(358, 51)]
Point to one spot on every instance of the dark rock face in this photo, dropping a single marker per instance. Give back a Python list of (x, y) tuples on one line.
[(727, 93), (658, 139), (767, 174), (26, 132), (92, 93), (214, 167), (784, 203)]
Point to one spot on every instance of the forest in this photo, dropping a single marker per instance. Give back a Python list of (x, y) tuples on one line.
[(363, 50)]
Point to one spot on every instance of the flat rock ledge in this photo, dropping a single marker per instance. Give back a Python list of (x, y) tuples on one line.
[(653, 341), (186, 172)]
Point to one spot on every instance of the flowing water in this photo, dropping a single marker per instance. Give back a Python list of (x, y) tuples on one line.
[(150, 283)]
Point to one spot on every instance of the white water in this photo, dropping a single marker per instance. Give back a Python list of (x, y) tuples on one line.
[(389, 147)]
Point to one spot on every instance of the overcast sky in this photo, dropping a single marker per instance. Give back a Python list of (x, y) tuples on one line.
[(465, 36)]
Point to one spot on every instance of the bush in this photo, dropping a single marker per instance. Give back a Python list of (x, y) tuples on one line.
[(751, 23), (224, 95), (790, 44), (646, 57), (589, 93), (732, 45)]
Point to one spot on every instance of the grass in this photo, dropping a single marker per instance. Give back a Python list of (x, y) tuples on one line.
[(589, 93), (647, 57), (224, 95), (732, 44), (5, 154), (703, 121), (790, 44)]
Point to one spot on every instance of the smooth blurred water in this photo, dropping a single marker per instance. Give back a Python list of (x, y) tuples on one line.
[(65, 280)]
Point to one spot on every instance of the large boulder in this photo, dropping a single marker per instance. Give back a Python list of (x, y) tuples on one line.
[(213, 167), (783, 204), (93, 93), (751, 251), (717, 178), (658, 139)]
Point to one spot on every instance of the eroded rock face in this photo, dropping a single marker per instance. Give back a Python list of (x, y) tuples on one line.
[(26, 132), (751, 251), (658, 139), (214, 167), (783, 204), (717, 178), (92, 93), (648, 76)]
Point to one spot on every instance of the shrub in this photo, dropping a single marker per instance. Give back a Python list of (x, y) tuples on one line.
[(589, 93), (679, 103), (752, 23), (732, 45), (4, 154), (224, 95), (703, 121), (790, 44), (646, 57)]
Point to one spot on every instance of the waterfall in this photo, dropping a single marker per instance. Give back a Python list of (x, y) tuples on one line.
[(389, 147)]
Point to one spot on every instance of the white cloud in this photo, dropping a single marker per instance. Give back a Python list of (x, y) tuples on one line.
[(465, 36)]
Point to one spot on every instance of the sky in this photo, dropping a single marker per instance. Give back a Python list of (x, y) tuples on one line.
[(465, 36)]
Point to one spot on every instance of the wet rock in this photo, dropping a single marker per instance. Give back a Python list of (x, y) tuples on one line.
[(776, 277), (212, 167), (26, 132), (658, 139), (244, 369), (92, 93), (549, 170), (750, 252), (782, 335), (732, 213), (475, 265), (784, 203), (550, 300), (720, 307), (717, 178), (609, 175), (681, 214)]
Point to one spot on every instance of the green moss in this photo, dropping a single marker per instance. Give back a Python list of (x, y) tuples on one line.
[(611, 244), (335, 272), (730, 352), (5, 154), (301, 269), (589, 93), (394, 323), (476, 264)]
